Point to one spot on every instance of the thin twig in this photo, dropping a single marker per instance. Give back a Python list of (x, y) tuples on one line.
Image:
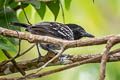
[(63, 16), (26, 15), (14, 62), (55, 57), (6, 61), (19, 44), (42, 67)]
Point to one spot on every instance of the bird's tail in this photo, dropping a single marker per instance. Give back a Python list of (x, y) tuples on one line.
[(19, 24)]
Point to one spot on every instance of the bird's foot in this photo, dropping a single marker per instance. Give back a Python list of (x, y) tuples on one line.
[(63, 57)]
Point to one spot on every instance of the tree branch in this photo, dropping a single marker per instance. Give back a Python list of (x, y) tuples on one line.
[(114, 56), (14, 62), (68, 44), (33, 64), (109, 45), (65, 43)]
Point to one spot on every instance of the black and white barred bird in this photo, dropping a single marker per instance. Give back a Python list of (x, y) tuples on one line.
[(56, 30)]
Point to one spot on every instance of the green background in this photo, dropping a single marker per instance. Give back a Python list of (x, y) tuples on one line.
[(100, 18)]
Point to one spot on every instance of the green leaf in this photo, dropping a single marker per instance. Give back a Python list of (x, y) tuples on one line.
[(24, 4), (7, 16), (54, 7), (13, 4), (67, 4), (3, 39), (14, 41), (41, 11), (1, 4), (4, 45), (10, 3)]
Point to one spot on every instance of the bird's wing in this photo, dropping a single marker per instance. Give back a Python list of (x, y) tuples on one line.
[(53, 29)]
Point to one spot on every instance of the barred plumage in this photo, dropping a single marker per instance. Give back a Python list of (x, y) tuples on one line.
[(53, 29)]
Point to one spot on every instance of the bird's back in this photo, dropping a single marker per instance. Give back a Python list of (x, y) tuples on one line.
[(53, 29)]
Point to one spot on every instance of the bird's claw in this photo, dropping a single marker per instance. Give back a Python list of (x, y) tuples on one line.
[(62, 57)]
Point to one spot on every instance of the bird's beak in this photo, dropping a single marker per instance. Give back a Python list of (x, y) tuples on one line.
[(88, 35)]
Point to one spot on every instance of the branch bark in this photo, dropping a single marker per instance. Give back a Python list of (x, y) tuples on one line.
[(33, 64), (109, 45), (114, 56), (14, 62), (66, 44)]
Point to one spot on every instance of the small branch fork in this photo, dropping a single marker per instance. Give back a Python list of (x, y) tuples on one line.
[(14, 62), (55, 57), (114, 56), (110, 41), (77, 60)]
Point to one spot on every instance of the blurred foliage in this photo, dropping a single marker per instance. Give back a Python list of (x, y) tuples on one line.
[(99, 18), (8, 10)]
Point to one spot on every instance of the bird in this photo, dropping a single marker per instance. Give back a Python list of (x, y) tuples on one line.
[(54, 29)]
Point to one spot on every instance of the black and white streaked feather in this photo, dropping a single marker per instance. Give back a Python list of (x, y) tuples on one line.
[(53, 29), (56, 30)]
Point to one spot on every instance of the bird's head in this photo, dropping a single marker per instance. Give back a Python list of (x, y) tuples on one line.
[(78, 31)]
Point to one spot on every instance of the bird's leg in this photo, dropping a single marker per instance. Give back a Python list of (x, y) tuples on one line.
[(61, 58), (39, 54), (52, 50), (63, 55)]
